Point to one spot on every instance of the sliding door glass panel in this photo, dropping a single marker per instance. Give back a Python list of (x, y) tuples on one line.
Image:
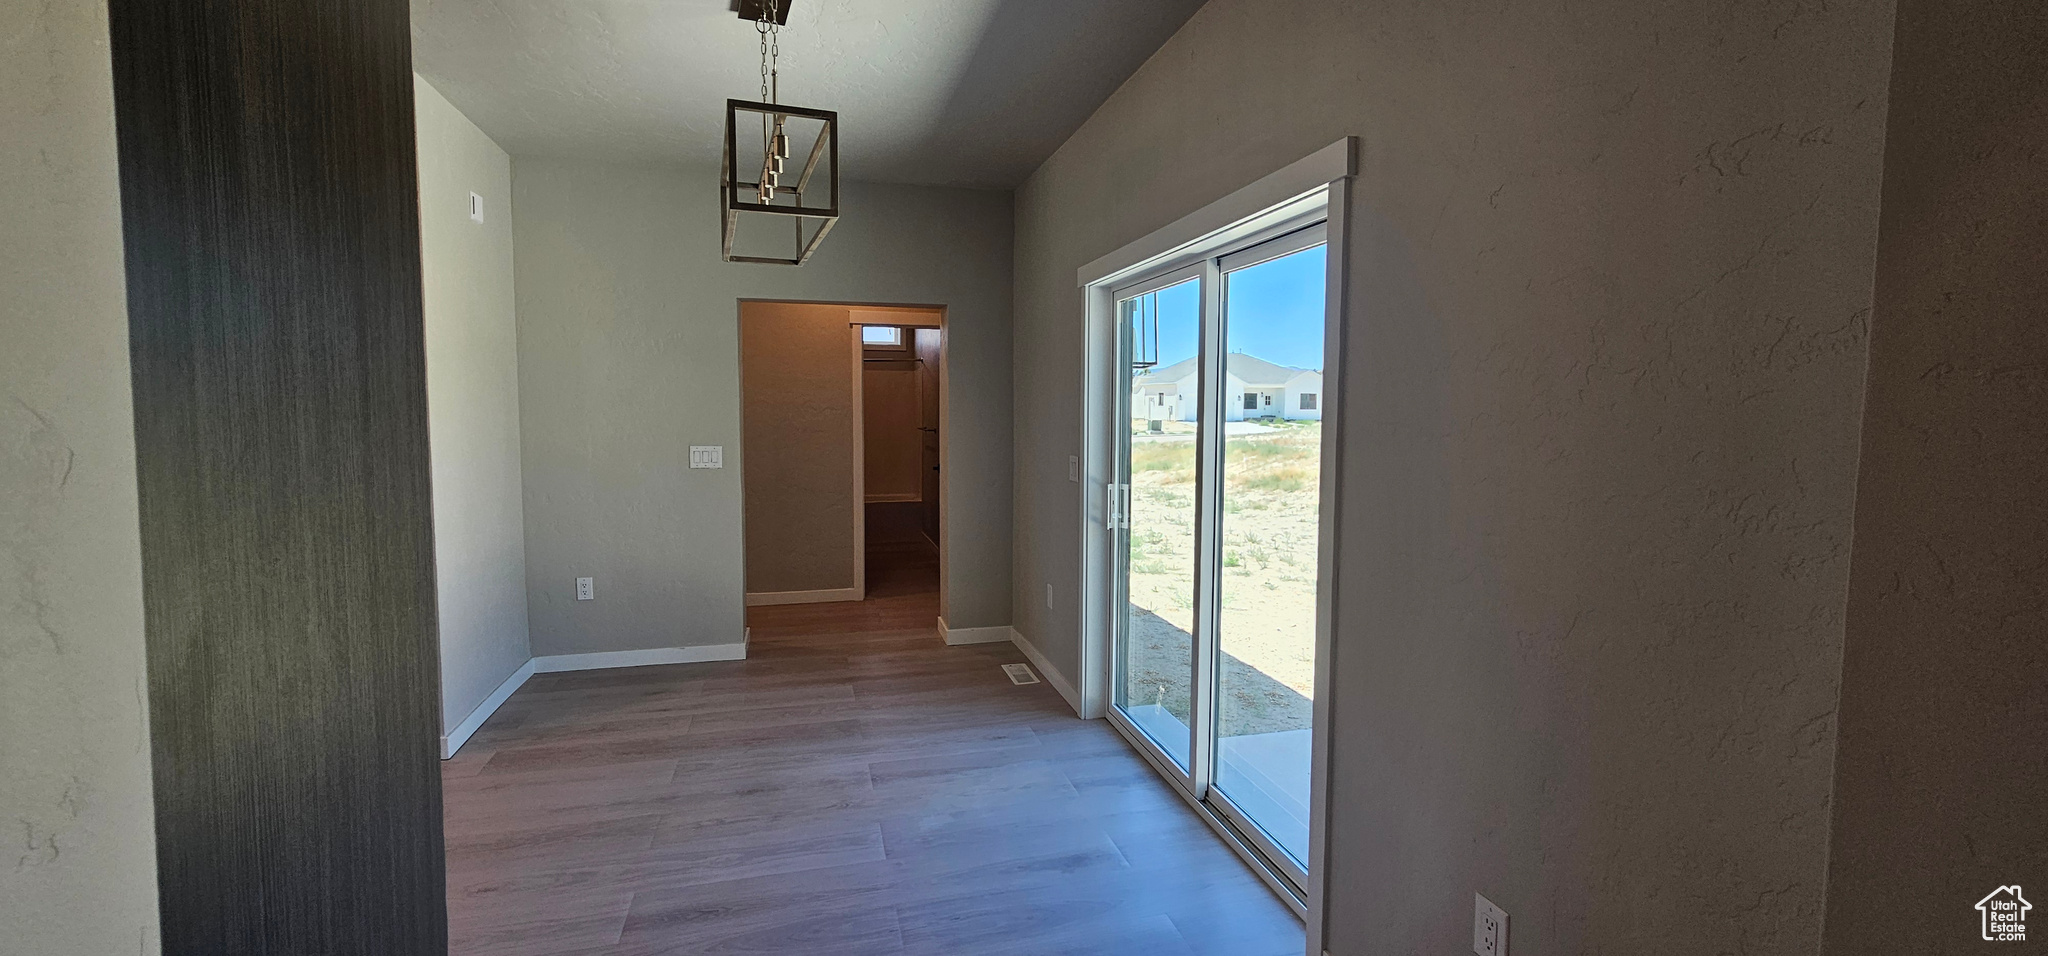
[(1155, 646), (1272, 463)]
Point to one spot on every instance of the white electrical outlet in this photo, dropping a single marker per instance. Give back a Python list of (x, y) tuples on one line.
[(586, 589), (707, 456), (1073, 468), (1048, 597), (1489, 927)]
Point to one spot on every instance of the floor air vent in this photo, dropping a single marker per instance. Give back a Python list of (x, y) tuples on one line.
[(1020, 673)]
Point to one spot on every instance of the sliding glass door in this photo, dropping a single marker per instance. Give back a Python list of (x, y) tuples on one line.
[(1156, 500), (1269, 520), (1215, 509)]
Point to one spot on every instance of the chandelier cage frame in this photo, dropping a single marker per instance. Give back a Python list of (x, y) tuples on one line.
[(737, 195)]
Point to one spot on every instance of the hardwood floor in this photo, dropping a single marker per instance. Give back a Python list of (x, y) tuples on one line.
[(855, 787)]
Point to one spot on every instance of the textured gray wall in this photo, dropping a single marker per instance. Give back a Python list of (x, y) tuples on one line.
[(1941, 779), (79, 874), (472, 405), (1610, 282), (629, 354)]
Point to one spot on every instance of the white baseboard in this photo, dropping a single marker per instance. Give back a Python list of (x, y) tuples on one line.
[(453, 740), (972, 635), (1051, 674), (827, 596), (558, 663)]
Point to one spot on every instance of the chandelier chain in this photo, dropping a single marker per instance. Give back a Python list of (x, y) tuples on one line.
[(771, 50), (775, 143)]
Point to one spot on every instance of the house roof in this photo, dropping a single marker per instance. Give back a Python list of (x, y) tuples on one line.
[(1252, 370), (1249, 369), (1162, 374)]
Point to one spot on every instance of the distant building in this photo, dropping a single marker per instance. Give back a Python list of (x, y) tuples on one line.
[(1253, 388)]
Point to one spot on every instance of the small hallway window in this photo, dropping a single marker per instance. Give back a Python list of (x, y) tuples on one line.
[(882, 336)]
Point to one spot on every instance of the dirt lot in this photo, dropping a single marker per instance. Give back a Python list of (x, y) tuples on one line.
[(1269, 573)]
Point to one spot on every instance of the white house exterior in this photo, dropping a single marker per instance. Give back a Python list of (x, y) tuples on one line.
[(1253, 388)]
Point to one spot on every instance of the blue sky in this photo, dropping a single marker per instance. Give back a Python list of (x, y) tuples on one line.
[(1275, 308), (1179, 307)]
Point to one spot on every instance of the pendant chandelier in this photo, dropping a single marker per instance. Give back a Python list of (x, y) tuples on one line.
[(760, 180)]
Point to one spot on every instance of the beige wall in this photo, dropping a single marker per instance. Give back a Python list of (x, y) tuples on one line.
[(890, 412), (79, 874), (472, 404), (1610, 277), (797, 407), (629, 354), (1940, 780)]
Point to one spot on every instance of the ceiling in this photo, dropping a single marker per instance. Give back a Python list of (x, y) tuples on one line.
[(943, 92)]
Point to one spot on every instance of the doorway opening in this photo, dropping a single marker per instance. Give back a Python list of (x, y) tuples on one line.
[(900, 445), (843, 448)]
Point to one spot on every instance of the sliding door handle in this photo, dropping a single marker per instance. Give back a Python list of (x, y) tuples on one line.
[(1117, 507)]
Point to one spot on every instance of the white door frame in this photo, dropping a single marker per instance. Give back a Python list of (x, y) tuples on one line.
[(1320, 179)]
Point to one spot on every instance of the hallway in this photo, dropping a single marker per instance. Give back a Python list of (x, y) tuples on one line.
[(854, 787)]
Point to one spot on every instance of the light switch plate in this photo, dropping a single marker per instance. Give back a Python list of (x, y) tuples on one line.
[(1489, 927), (476, 208), (586, 589), (1073, 468), (707, 456)]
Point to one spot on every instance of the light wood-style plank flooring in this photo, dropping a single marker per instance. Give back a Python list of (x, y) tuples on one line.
[(855, 787)]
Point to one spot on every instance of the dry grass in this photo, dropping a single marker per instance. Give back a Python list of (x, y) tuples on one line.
[(1176, 459), (1270, 502)]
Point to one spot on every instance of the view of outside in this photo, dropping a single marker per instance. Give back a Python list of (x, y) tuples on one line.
[(1269, 573), (1271, 504), (1272, 409), (1157, 663)]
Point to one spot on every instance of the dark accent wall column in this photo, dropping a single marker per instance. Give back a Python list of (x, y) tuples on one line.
[(271, 225), (1940, 782)]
